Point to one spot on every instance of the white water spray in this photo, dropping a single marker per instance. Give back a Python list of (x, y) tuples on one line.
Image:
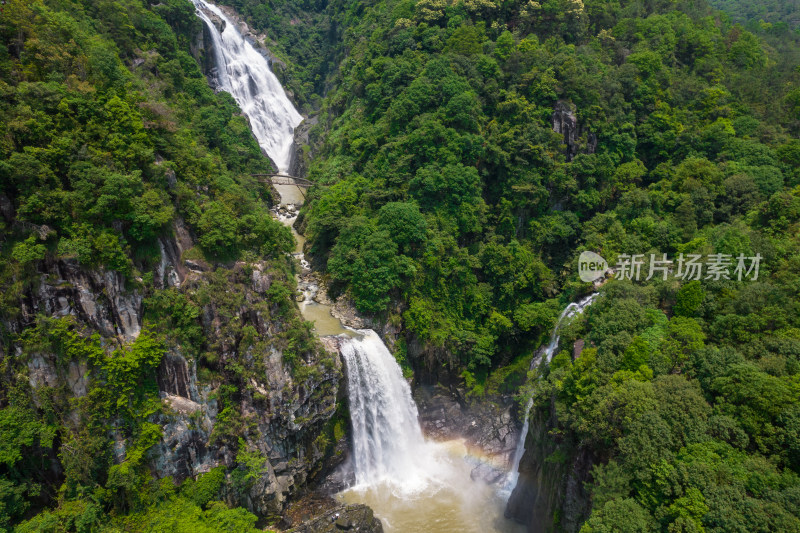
[(573, 309), (387, 440), (245, 73), (414, 485)]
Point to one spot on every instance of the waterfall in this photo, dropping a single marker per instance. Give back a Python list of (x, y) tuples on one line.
[(245, 74), (513, 475), (573, 309), (387, 440)]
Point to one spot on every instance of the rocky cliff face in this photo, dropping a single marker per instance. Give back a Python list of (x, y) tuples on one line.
[(487, 426), (550, 494), (576, 139), (202, 49), (301, 150), (283, 412), (99, 299)]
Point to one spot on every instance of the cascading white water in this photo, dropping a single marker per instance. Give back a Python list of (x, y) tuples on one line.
[(245, 73), (513, 474), (413, 485), (575, 308), (387, 439)]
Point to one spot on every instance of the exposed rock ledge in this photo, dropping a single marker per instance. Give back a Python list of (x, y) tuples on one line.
[(344, 518), (487, 427), (96, 297)]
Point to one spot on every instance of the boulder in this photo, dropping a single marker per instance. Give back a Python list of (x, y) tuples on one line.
[(344, 518)]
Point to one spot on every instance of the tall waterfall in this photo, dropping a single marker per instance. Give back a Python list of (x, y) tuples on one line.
[(575, 308), (387, 439), (413, 485), (245, 73)]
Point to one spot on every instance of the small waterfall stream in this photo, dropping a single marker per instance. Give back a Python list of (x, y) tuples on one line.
[(573, 309)]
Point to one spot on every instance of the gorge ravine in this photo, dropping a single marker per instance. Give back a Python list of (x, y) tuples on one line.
[(413, 484)]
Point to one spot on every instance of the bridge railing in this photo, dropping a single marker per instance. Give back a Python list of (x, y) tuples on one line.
[(285, 179)]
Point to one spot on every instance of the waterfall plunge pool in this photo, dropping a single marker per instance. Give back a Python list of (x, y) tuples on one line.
[(450, 502), (412, 484)]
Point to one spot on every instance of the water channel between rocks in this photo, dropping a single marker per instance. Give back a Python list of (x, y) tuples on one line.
[(320, 314)]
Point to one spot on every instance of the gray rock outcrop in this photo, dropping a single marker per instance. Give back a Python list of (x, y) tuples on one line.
[(353, 518), (98, 298), (565, 122), (486, 426), (301, 149)]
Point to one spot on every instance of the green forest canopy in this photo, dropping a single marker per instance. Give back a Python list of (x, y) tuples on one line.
[(448, 205)]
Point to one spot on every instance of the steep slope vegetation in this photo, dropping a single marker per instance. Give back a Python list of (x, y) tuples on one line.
[(781, 13), (446, 124), (471, 149), (154, 364)]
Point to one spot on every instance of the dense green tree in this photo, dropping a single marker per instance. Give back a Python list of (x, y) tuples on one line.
[(445, 203), (624, 516)]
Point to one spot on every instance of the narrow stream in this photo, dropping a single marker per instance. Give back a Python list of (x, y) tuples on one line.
[(320, 314)]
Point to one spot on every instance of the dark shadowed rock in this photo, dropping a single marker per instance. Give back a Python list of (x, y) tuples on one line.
[(486, 426), (565, 122), (173, 375), (547, 489), (345, 518), (301, 157), (6, 208)]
